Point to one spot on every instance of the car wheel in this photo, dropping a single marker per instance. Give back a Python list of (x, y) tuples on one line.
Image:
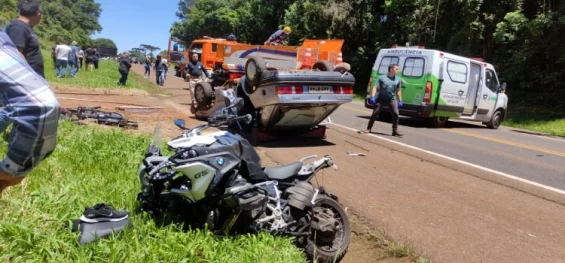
[(254, 68), (203, 93), (496, 120), (439, 122)]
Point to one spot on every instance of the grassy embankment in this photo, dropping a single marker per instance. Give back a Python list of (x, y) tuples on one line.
[(105, 77), (94, 165)]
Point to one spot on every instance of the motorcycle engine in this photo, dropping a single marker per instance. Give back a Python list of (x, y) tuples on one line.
[(243, 195), (300, 195)]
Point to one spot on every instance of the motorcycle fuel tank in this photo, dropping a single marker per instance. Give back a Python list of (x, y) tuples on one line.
[(200, 176)]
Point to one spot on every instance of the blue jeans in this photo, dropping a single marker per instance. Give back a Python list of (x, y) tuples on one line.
[(73, 67), (61, 64)]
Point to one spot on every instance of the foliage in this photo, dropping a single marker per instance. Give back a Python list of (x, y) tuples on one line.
[(103, 42), (521, 37), (71, 20), (94, 164)]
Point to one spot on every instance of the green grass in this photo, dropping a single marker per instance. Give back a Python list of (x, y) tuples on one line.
[(92, 165), (537, 120), (106, 76)]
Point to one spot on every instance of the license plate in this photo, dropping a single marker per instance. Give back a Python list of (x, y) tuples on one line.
[(319, 89)]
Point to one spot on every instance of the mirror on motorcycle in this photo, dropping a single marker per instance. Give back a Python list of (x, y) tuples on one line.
[(180, 123)]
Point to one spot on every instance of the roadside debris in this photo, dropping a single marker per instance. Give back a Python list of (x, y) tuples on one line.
[(351, 153), (101, 117)]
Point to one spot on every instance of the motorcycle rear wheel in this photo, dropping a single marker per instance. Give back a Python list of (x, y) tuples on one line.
[(322, 253)]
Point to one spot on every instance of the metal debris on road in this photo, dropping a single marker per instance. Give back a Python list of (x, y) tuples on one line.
[(351, 153)]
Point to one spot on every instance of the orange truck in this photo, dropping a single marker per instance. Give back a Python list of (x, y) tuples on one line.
[(229, 57)]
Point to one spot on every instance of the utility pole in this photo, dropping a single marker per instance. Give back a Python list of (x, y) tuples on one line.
[(435, 25)]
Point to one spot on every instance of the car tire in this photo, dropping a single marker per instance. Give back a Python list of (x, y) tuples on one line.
[(254, 68), (439, 122), (495, 120), (203, 93)]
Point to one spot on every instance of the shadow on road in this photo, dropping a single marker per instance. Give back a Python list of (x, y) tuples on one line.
[(294, 143), (424, 123)]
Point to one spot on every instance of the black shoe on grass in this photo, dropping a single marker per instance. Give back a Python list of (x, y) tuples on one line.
[(102, 213)]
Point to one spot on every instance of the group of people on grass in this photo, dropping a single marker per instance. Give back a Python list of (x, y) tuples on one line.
[(69, 59), (161, 68)]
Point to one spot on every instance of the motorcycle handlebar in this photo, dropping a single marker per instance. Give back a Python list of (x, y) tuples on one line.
[(228, 119)]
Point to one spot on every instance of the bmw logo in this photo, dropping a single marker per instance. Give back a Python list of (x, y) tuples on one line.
[(220, 160)]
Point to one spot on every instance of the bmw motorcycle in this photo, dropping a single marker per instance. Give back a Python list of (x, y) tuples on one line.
[(216, 177)]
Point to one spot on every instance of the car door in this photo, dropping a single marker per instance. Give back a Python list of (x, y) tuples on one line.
[(454, 86), (489, 94)]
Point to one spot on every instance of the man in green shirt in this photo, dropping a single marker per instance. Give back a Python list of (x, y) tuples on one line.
[(387, 87)]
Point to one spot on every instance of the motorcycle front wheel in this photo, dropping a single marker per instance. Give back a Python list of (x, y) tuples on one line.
[(322, 247)]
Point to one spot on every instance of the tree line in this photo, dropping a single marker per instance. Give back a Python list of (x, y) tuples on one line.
[(71, 20), (522, 38)]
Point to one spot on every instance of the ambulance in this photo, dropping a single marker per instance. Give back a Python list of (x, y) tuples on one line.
[(439, 86)]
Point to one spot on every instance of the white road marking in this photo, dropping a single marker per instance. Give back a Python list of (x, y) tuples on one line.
[(460, 161)]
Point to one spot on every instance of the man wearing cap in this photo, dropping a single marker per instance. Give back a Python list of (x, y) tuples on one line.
[(278, 37), (73, 59)]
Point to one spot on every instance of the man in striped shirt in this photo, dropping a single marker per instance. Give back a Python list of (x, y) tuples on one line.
[(32, 108)]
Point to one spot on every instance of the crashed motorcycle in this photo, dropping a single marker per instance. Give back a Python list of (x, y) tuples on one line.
[(218, 178)]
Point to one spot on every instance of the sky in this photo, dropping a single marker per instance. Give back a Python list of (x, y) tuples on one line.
[(130, 23)]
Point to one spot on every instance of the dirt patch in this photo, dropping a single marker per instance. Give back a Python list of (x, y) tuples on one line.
[(109, 100)]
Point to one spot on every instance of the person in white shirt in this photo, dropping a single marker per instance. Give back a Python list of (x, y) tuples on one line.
[(166, 67), (62, 55)]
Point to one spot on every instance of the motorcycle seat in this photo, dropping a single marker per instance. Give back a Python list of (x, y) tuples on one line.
[(283, 172)]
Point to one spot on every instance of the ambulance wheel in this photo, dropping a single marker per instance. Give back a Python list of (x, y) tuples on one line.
[(203, 93), (495, 121), (323, 65), (254, 68), (439, 122)]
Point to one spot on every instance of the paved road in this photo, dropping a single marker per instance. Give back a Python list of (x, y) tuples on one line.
[(532, 157)]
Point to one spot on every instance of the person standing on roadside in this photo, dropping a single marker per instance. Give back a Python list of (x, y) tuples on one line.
[(53, 56), (195, 69), (63, 54), (33, 110), (159, 71), (21, 33), (90, 54), (73, 59), (165, 63), (147, 73), (387, 86), (125, 65), (96, 58), (80, 57)]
